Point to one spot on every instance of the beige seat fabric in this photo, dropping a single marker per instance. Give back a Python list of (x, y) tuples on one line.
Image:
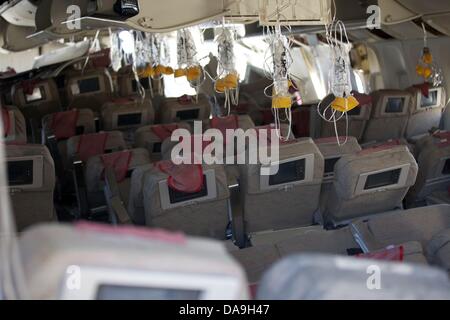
[(256, 260), (94, 172), (434, 168), (31, 174), (149, 137), (328, 277), (175, 110), (17, 127), (89, 90), (110, 253), (357, 121), (288, 199), (401, 226), (44, 99), (439, 250), (270, 247), (369, 182), (425, 114), (439, 197), (389, 116), (114, 142), (202, 216), (127, 113), (332, 152)]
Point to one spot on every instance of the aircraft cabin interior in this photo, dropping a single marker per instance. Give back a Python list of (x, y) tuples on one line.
[(348, 100)]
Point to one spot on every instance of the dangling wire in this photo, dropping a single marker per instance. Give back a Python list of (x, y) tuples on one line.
[(95, 47), (227, 81), (335, 106), (426, 68)]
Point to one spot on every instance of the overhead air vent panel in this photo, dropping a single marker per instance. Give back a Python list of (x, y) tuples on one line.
[(405, 30), (15, 38), (426, 6), (439, 22)]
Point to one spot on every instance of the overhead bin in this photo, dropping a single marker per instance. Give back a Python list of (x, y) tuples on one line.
[(15, 38), (54, 19), (395, 14)]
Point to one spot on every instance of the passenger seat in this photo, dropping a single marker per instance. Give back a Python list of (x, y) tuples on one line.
[(389, 117), (86, 146), (434, 167), (288, 198), (332, 153), (123, 163), (31, 179), (357, 120), (89, 90), (152, 137), (427, 106), (36, 99), (371, 181), (185, 108), (189, 198)]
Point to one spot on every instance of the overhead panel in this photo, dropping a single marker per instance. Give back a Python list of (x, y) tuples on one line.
[(167, 15), (426, 6), (22, 14), (270, 12), (405, 30), (15, 38)]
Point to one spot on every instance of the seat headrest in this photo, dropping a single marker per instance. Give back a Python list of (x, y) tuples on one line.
[(90, 145), (119, 162), (64, 124), (186, 178), (164, 131), (314, 276), (225, 123), (382, 147), (377, 169), (332, 140), (363, 99)]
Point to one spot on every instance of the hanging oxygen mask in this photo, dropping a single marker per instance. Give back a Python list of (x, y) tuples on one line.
[(227, 81), (116, 53), (335, 106), (158, 58), (138, 58), (426, 67), (188, 64), (277, 67)]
